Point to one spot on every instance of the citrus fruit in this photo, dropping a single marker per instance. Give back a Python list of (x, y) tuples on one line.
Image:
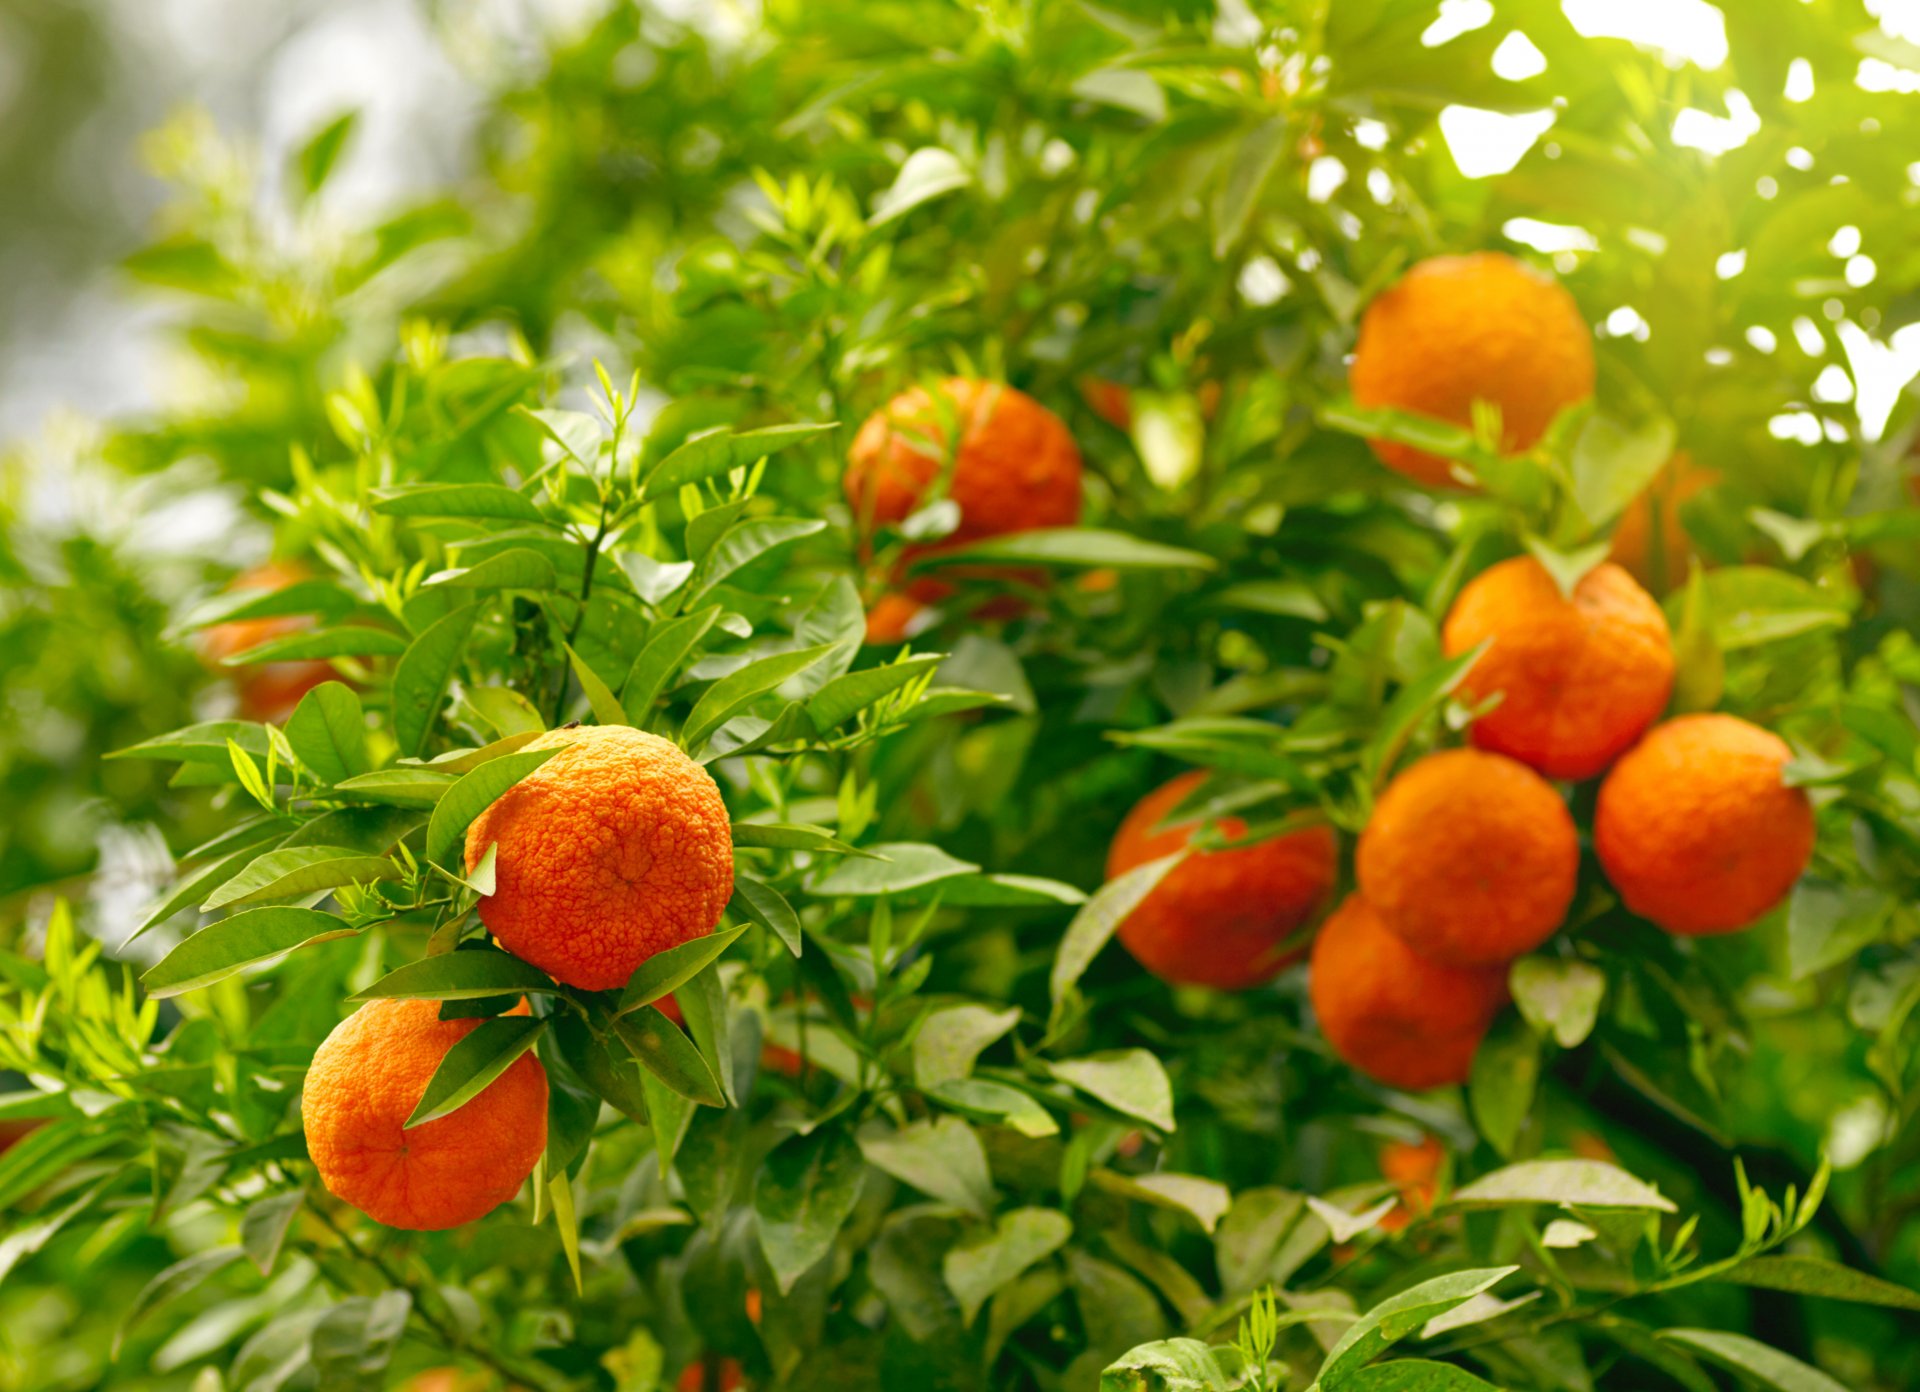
[(268, 691), (1579, 678), (1660, 562), (366, 1079), (616, 848), (1009, 464), (1413, 1169), (1470, 858), (1401, 1018), (1696, 828), (1219, 918), (1456, 329)]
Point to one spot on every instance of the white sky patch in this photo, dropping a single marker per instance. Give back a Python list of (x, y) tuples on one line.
[(1803, 426), (1380, 185), (1900, 18), (1549, 236), (1861, 271), (1700, 130), (1845, 242), (1833, 385), (1484, 143), (1878, 75), (1626, 322), (1880, 371), (1517, 59), (1262, 281), (1457, 17), (1370, 134), (1799, 80), (1682, 31), (1324, 178), (1730, 264), (1807, 334), (1762, 338)]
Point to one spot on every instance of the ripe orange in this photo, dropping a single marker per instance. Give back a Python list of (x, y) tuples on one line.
[(726, 1378), (891, 618), (1401, 1018), (1219, 918), (1579, 679), (614, 849), (1009, 463), (367, 1077), (271, 690), (1456, 329), (1660, 565), (1696, 829), (1470, 858)]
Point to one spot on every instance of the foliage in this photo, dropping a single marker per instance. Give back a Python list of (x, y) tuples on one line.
[(568, 447)]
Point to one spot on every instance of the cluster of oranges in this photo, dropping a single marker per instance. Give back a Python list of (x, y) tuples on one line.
[(616, 848)]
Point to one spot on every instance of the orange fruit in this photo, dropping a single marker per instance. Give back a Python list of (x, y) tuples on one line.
[(891, 618), (616, 848), (1456, 329), (726, 1378), (367, 1077), (271, 690), (1697, 830), (1219, 918), (1579, 678), (1401, 1018), (1470, 858), (1661, 565), (1009, 463), (1413, 1168)]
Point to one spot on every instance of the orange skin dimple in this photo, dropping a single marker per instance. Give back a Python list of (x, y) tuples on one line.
[(1470, 858), (1400, 1018), (270, 691), (1633, 542), (1579, 679), (1219, 917), (614, 849), (366, 1079), (1696, 829), (1456, 329)]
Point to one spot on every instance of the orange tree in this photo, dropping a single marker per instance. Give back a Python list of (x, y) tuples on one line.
[(1034, 405)]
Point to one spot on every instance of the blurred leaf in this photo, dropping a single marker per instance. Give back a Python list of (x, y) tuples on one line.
[(926, 174), (805, 1191), (942, 1158), (984, 1263), (1128, 1080), (1751, 1358), (1583, 1183)]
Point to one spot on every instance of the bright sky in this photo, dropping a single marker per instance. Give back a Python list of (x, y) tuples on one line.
[(1485, 143)]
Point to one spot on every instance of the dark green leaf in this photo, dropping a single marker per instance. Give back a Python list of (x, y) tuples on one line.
[(475, 1062), (421, 677), (258, 935)]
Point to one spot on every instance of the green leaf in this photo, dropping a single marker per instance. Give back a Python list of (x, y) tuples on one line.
[(421, 677), (322, 151), (348, 640), (746, 543), (982, 1264), (1409, 706), (950, 1040), (1700, 668), (456, 761), (301, 870), (1171, 1365), (195, 888), (1130, 1081), (263, 1227), (506, 710), (328, 732), (480, 500), (400, 787), (473, 1063), (1567, 568), (606, 706), (667, 971), (205, 743), (942, 1158), (787, 836), (1506, 1069), (848, 695), (669, 1055), (1394, 1319), (805, 1191), (1255, 156), (1828, 924), (735, 692), (1000, 892), (926, 174), (520, 568), (469, 975), (986, 1100), (668, 646), (720, 451), (1614, 464), (320, 597), (1819, 1277), (576, 432), (894, 868), (1204, 1200), (1287, 599), (1558, 996), (1099, 917), (1767, 1366), (763, 904), (472, 794), (1073, 546), (1584, 1183), (258, 935), (1170, 434), (170, 1284), (1416, 1375), (1127, 88)]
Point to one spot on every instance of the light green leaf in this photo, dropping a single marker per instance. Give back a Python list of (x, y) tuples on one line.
[(669, 1055), (666, 972), (399, 787), (520, 568), (981, 1265), (1130, 1081), (894, 868), (1585, 1183), (735, 692), (328, 732), (1767, 1366), (805, 1191), (763, 904), (927, 173), (473, 794), (1094, 925), (220, 950), (1086, 547), (950, 1040), (606, 706), (668, 646), (1558, 996), (488, 500), (1816, 1276), (942, 1158), (1394, 1319), (421, 677), (301, 870)]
